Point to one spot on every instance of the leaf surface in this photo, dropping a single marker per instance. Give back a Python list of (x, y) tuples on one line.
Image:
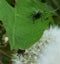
[(18, 21)]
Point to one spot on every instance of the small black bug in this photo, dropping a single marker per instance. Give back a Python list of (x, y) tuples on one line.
[(13, 4), (50, 23), (43, 1), (1, 22), (36, 16), (20, 52)]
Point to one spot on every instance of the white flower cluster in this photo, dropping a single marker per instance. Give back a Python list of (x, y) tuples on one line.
[(51, 52), (46, 51)]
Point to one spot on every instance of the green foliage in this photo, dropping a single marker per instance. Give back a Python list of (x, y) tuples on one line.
[(18, 21), (6, 59), (55, 5)]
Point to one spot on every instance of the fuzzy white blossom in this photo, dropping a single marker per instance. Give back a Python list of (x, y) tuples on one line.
[(46, 51), (51, 52)]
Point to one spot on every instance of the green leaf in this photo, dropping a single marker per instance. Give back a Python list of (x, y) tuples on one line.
[(18, 21)]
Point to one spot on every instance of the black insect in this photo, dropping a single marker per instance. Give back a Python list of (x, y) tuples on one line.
[(43, 1), (11, 2), (50, 23), (36, 16), (1, 22), (21, 52)]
